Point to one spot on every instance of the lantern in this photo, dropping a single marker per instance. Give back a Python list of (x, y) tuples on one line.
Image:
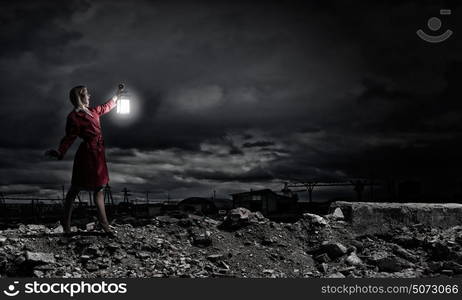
[(123, 105)]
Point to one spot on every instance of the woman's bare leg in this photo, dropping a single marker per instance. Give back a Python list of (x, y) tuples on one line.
[(99, 201), (70, 198)]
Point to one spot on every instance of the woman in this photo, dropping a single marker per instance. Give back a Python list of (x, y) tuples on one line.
[(89, 171)]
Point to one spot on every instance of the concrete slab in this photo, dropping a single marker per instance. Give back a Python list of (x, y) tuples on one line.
[(375, 217)]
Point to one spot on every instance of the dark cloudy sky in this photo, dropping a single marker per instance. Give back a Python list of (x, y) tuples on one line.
[(233, 95)]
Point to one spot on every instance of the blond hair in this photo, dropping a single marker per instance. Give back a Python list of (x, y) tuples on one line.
[(76, 96)]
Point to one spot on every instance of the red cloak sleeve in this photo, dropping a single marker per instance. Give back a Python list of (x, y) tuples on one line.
[(72, 132), (104, 108)]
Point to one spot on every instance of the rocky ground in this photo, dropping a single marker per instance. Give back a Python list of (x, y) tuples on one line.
[(244, 245)]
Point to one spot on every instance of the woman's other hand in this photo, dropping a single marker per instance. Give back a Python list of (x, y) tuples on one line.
[(53, 154)]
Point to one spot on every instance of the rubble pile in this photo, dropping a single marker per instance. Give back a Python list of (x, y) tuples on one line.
[(244, 244)]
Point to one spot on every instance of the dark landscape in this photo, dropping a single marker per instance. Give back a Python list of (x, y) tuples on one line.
[(243, 244)]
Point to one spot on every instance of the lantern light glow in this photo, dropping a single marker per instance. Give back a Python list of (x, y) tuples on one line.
[(123, 107)]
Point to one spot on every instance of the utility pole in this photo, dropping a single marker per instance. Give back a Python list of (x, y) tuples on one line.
[(108, 195), (310, 187), (125, 191)]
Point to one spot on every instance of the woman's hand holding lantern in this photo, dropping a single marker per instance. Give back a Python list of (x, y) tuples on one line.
[(119, 91), (123, 100)]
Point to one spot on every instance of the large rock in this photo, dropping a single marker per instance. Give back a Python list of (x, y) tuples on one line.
[(90, 226), (338, 213), (353, 259), (58, 229), (40, 257), (239, 214), (36, 227), (404, 253), (237, 217), (375, 217), (323, 258), (315, 219), (336, 275), (387, 262), (332, 249), (201, 238)]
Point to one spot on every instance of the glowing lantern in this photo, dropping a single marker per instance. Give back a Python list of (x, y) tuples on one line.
[(123, 105)]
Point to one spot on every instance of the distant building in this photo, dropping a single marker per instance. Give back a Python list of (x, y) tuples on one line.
[(146, 210), (197, 204), (205, 205), (266, 201)]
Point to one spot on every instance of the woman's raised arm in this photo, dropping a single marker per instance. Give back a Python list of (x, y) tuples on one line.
[(106, 107)]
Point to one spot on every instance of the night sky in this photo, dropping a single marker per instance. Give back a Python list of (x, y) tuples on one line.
[(234, 95)]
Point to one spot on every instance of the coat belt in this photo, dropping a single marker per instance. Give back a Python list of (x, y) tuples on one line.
[(94, 141)]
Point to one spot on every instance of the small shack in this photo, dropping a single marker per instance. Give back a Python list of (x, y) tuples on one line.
[(197, 205), (206, 206), (266, 201)]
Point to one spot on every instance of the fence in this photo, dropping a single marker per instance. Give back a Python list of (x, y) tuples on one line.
[(18, 206)]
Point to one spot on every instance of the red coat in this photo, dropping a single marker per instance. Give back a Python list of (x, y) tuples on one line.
[(90, 169)]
